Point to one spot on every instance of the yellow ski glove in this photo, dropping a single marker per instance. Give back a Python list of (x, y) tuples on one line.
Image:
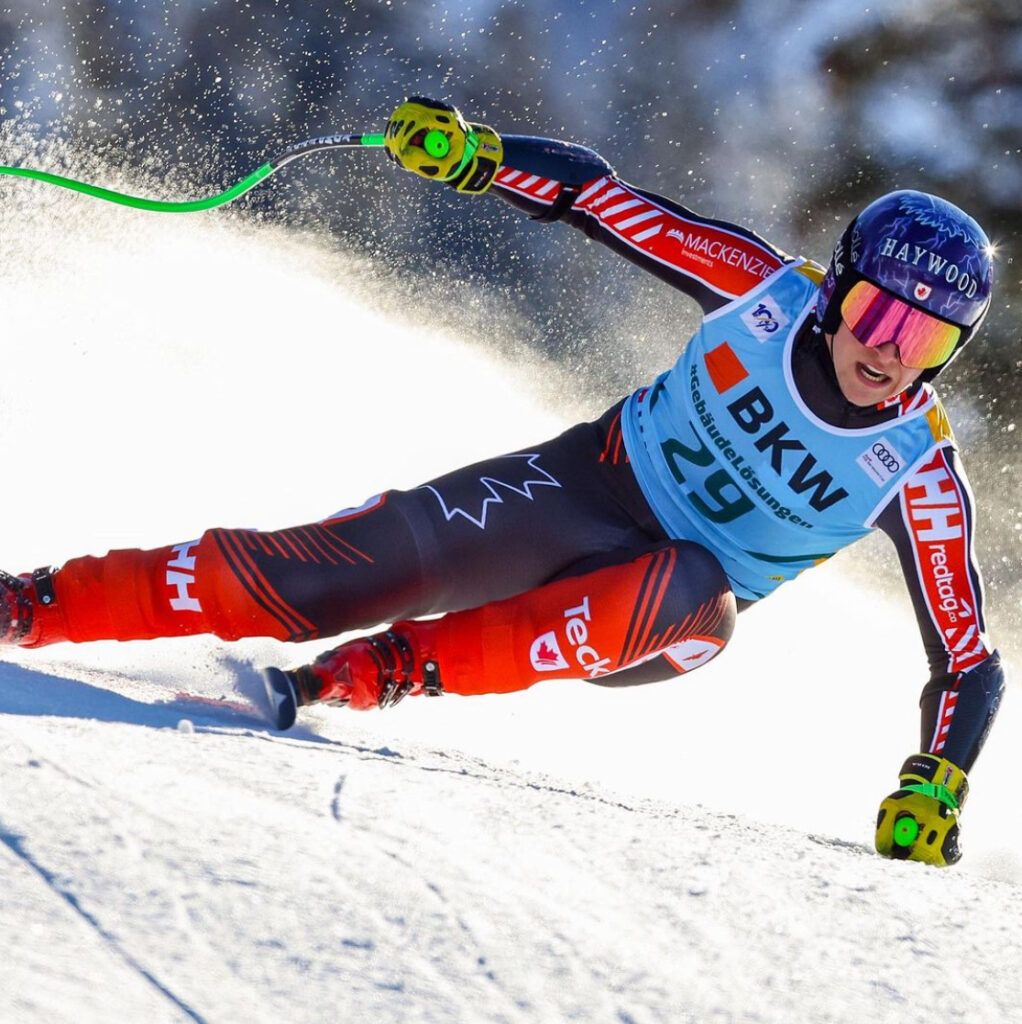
[(432, 139), (920, 820)]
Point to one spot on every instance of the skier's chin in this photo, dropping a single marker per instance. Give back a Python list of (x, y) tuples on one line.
[(869, 386), (862, 390)]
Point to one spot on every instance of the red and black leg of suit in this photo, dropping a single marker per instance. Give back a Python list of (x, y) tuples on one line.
[(547, 563)]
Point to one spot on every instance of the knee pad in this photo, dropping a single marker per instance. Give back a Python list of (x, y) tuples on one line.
[(673, 600)]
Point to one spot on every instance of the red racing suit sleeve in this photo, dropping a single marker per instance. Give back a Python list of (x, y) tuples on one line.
[(712, 261), (931, 522)]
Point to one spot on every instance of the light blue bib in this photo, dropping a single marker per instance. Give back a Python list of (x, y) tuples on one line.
[(728, 455)]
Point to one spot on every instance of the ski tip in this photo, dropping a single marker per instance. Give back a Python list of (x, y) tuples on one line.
[(282, 697)]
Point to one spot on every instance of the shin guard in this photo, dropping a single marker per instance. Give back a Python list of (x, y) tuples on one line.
[(140, 595), (674, 601)]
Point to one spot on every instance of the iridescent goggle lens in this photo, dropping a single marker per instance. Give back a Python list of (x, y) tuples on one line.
[(875, 317)]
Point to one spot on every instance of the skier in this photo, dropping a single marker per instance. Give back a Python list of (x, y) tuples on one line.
[(798, 418)]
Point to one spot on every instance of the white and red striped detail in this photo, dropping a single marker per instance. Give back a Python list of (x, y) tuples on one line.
[(937, 510), (531, 185), (945, 714), (907, 401), (727, 262)]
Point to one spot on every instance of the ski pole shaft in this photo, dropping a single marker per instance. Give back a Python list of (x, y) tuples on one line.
[(160, 206)]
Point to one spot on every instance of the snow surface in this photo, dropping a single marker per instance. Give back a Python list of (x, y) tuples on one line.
[(697, 851)]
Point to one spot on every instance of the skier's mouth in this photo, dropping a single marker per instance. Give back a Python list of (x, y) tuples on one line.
[(873, 378)]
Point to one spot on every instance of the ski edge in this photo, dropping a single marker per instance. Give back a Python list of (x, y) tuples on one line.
[(281, 694)]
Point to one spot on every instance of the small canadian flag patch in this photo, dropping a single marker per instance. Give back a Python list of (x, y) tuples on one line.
[(545, 654), (922, 292)]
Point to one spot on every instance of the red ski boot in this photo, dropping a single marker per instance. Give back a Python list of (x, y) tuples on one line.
[(371, 672), (27, 602)]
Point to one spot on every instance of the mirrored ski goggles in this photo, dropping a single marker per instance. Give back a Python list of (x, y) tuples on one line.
[(875, 317)]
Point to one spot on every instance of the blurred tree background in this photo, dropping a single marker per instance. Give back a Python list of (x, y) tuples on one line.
[(784, 116)]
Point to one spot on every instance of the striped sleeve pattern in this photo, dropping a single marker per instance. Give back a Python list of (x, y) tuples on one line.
[(712, 261)]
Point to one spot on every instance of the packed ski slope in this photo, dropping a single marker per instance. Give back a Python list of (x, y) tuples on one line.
[(160, 871), (697, 851)]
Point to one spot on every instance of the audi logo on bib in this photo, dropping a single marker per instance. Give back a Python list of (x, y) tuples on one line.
[(887, 458), (881, 461)]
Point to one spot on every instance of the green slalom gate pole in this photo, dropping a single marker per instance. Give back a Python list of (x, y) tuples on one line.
[(159, 206)]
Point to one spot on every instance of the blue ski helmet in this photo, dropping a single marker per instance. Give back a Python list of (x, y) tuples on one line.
[(921, 249)]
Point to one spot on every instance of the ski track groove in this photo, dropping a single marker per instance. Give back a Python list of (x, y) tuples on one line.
[(389, 845), (482, 772), (117, 797), (557, 949), (91, 785), (335, 803), (473, 941), (15, 844)]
